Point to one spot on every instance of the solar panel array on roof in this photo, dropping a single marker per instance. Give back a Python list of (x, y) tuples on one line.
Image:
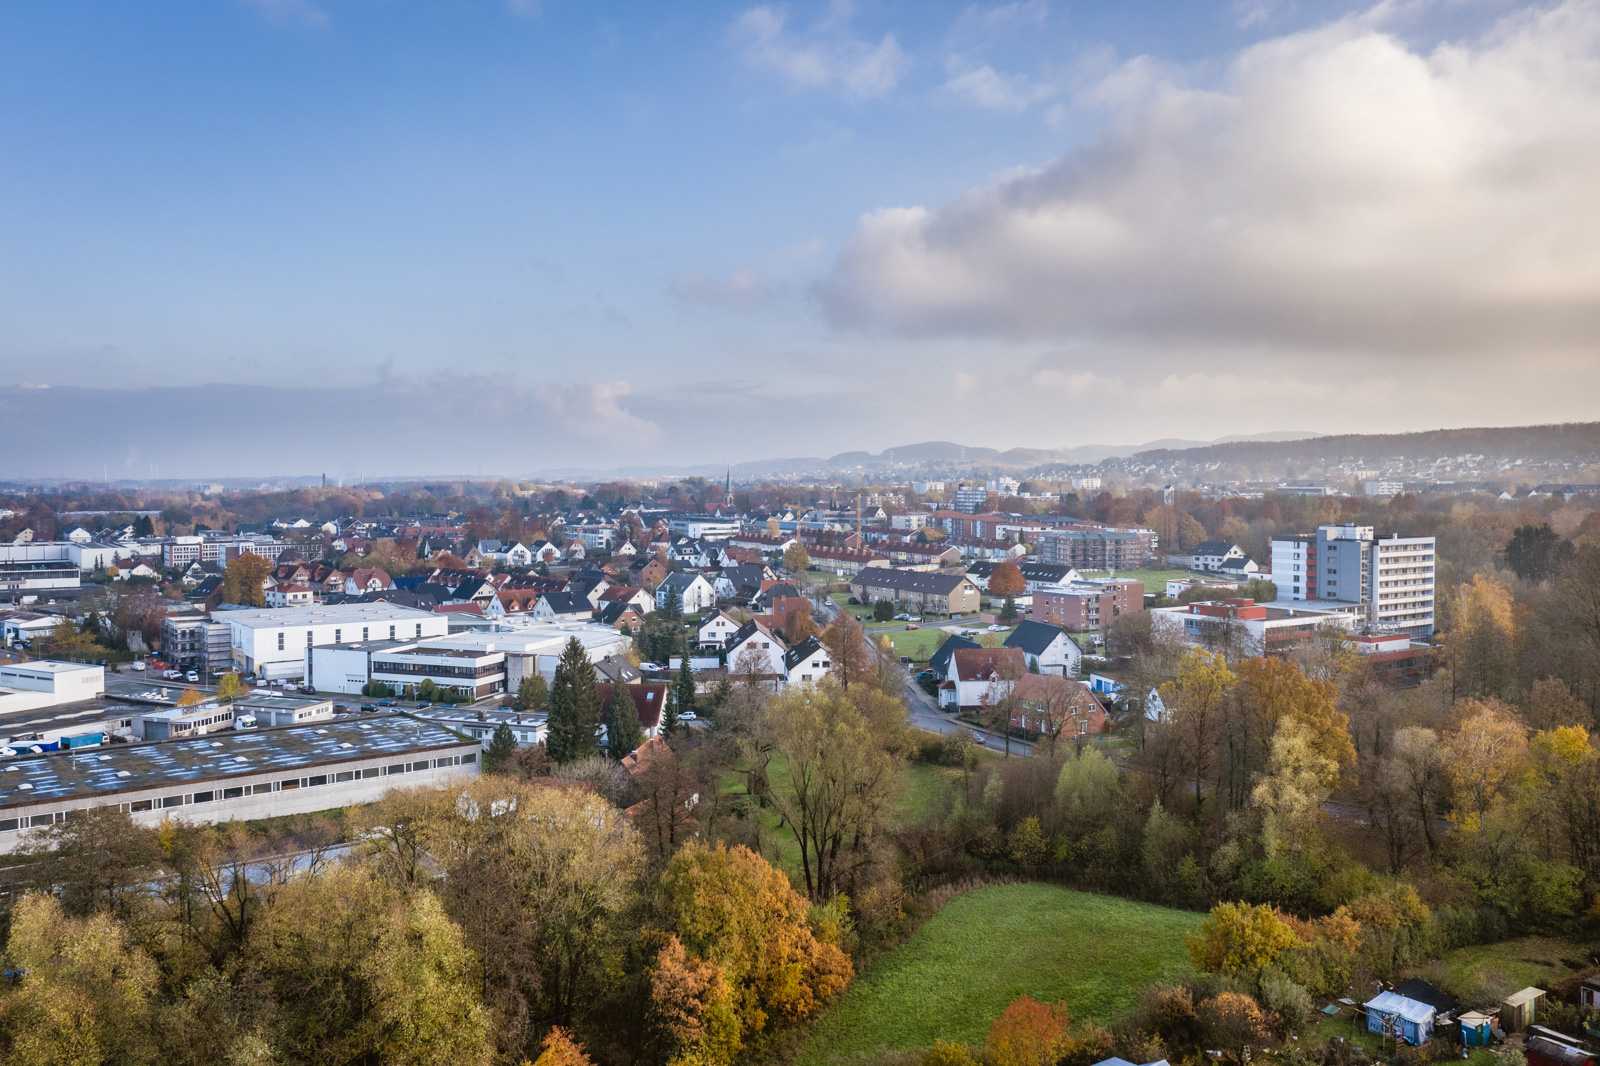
[(60, 775)]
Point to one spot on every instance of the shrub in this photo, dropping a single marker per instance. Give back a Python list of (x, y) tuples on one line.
[(1029, 1033), (943, 1054), (1288, 1000)]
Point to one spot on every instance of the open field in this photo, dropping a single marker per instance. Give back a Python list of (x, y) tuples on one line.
[(1154, 580), (1529, 960), (955, 975)]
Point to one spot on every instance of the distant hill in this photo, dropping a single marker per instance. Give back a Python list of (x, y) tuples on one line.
[(1561, 442)]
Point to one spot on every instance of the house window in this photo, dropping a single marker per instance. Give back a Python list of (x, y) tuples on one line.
[(338, 635), (280, 641), (391, 632), (364, 632), (419, 629), (308, 638)]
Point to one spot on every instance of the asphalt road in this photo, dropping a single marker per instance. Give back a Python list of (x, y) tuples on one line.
[(922, 709)]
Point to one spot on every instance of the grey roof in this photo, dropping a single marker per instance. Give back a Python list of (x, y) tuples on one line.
[(800, 652), (567, 603), (1034, 638), (884, 577), (1214, 547), (939, 662), (95, 772)]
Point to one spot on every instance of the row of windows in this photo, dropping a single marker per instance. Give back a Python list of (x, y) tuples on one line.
[(338, 635), (240, 791)]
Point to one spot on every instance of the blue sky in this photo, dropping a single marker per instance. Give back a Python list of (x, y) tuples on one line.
[(620, 224)]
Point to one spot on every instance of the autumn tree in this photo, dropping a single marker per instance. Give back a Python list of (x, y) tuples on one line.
[(841, 780), (1234, 1021), (243, 580), (1483, 753), (729, 906), (795, 558), (1006, 580), (229, 687), (1194, 701), (77, 990), (559, 1049), (847, 649), (98, 860), (358, 969), (1264, 693), (1029, 1033), (1481, 643), (539, 879), (574, 719), (1288, 799), (691, 1007), (1240, 939)]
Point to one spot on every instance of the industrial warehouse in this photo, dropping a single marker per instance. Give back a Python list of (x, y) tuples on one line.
[(229, 774)]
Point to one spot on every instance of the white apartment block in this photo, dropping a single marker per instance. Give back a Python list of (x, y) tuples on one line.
[(272, 642), (1391, 576)]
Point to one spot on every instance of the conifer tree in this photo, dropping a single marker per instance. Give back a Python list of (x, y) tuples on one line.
[(623, 732), (574, 705), (501, 747)]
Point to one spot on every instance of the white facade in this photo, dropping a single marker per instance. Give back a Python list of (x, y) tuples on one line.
[(272, 642), (698, 595), (29, 686), (704, 527), (766, 645), (909, 520), (1391, 577), (716, 629), (1255, 636)]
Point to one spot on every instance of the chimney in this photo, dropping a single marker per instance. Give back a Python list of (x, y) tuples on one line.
[(483, 716)]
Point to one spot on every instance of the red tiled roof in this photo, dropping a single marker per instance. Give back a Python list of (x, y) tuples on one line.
[(979, 664)]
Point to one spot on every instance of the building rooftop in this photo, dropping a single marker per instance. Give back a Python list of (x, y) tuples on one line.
[(98, 772), (318, 614)]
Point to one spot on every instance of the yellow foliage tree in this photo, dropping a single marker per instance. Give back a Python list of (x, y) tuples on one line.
[(1484, 752), (1239, 938)]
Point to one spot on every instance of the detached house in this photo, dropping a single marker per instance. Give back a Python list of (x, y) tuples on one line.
[(1048, 648), (753, 648), (1209, 555), (979, 676), (692, 592), (716, 629), (361, 582), (807, 662)]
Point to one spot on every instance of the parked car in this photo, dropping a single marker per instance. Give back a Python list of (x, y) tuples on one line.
[(171, 675), (913, 625), (193, 677), (339, 708), (369, 707), (387, 703), (137, 664), (686, 716), (424, 705), (997, 629)]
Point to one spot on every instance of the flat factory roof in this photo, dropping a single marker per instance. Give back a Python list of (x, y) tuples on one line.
[(91, 772)]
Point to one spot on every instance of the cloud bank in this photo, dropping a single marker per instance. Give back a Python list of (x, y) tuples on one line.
[(1333, 191)]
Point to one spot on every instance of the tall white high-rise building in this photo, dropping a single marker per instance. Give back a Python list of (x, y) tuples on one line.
[(1390, 575)]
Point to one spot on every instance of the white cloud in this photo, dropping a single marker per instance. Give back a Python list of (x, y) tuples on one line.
[(528, 9), (987, 87), (288, 12), (594, 410), (1335, 191), (824, 57)]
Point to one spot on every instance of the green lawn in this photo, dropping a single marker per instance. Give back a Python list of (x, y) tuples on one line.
[(1154, 580), (1530, 960), (956, 974), (921, 787)]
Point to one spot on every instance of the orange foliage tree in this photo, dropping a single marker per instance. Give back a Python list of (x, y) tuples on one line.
[(1006, 580), (1029, 1033), (731, 907)]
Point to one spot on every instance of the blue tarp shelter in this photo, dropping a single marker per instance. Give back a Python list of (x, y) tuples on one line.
[(1409, 1019)]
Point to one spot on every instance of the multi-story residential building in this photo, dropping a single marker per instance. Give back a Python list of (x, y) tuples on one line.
[(1086, 605), (1085, 484), (218, 547), (1390, 576), (922, 488), (1003, 486), (911, 520), (1092, 549), (971, 498), (917, 589), (195, 642), (1383, 487)]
